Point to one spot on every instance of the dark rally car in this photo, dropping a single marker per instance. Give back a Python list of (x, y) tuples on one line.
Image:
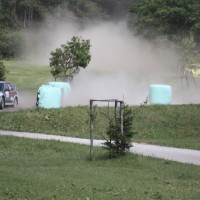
[(8, 94)]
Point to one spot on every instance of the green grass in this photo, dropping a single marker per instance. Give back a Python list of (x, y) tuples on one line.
[(47, 170), (177, 125), (27, 76)]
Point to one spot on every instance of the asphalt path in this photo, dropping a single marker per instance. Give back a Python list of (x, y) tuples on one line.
[(167, 153)]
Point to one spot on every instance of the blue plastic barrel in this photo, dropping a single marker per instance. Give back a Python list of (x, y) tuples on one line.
[(65, 87), (160, 94), (49, 97)]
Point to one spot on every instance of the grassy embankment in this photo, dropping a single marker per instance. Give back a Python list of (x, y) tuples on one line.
[(43, 170), (176, 125)]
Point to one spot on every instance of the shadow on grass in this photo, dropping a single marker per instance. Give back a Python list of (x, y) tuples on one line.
[(102, 155)]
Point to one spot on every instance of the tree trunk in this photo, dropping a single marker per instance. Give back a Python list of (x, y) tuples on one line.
[(58, 11), (24, 18), (30, 15), (77, 8), (13, 13), (0, 5)]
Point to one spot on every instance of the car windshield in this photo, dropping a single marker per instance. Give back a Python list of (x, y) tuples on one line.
[(1, 86)]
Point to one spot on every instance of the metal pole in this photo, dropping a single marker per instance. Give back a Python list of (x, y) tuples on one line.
[(122, 117), (91, 130), (115, 111)]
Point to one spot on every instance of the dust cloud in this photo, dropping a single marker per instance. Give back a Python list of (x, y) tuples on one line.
[(122, 66), (26, 100)]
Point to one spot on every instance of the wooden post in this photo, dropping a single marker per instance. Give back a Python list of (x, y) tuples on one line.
[(91, 129), (122, 117)]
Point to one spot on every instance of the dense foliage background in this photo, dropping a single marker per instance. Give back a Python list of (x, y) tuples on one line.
[(19, 15), (172, 20)]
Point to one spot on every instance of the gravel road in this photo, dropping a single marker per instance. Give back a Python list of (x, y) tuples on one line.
[(168, 153)]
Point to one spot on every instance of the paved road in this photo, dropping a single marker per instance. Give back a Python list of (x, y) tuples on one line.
[(168, 153)]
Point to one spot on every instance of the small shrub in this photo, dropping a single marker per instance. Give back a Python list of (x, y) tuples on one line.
[(120, 142)]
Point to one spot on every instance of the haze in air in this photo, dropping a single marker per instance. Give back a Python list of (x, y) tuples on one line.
[(123, 65)]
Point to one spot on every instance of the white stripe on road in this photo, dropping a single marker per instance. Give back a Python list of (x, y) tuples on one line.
[(168, 153)]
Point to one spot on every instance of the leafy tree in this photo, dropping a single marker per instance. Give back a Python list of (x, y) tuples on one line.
[(3, 71), (174, 18), (69, 58), (120, 142)]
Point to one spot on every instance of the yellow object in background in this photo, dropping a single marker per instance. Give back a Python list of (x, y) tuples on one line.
[(195, 72)]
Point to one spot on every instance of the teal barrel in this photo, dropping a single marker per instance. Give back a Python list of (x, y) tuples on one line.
[(49, 97), (160, 94), (65, 87)]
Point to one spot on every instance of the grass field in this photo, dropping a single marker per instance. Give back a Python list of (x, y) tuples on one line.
[(177, 125), (50, 170), (27, 76)]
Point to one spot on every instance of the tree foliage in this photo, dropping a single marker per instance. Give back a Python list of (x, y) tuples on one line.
[(173, 18), (3, 71), (117, 9), (120, 142), (85, 9), (69, 58), (19, 15), (11, 44)]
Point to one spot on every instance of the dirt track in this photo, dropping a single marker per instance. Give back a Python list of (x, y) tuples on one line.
[(16, 108)]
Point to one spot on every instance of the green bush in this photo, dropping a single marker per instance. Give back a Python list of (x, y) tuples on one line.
[(120, 142), (11, 44), (3, 71)]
